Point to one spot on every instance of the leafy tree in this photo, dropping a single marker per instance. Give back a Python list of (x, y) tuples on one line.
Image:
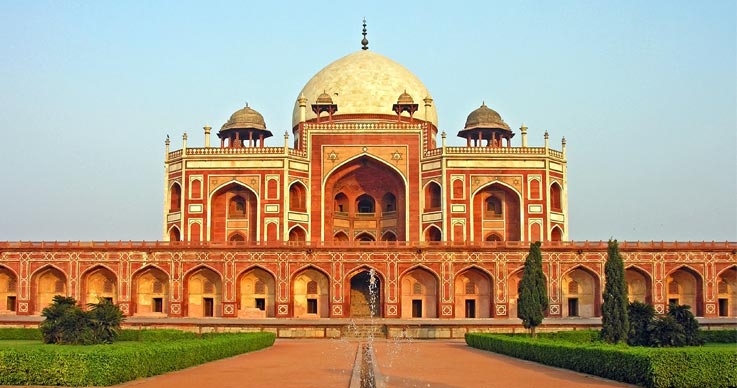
[(640, 316), (682, 314), (67, 323), (614, 322), (532, 291)]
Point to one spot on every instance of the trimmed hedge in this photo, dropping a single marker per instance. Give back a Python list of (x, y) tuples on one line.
[(575, 336), (102, 365), (719, 336), (18, 333), (648, 367)]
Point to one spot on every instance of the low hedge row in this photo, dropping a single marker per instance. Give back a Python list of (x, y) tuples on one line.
[(648, 367), (575, 336), (17, 333), (719, 336), (102, 365)]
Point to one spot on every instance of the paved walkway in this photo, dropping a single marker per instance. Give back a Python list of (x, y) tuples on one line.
[(329, 363)]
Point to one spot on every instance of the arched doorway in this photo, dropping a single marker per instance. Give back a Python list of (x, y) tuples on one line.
[(473, 294), (556, 234), (257, 294), (151, 292), (297, 234), (204, 290), (8, 291), (419, 294), (99, 283), (297, 197), (174, 234), (310, 299), (432, 233), (498, 213), (233, 213), (684, 287), (727, 293), (581, 293), (639, 287), (365, 297), (364, 195), (48, 282)]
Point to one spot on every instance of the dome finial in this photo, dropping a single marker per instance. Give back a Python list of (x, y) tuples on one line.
[(364, 41)]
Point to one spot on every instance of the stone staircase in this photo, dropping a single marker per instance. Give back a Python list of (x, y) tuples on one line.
[(363, 331)]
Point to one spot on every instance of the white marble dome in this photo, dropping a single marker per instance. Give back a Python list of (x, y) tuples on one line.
[(365, 82)]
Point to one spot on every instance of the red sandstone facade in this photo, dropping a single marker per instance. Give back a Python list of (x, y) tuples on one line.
[(259, 232)]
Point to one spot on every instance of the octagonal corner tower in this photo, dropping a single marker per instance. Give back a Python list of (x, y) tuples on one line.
[(364, 82)]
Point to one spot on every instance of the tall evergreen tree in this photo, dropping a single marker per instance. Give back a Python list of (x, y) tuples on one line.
[(614, 319), (532, 291)]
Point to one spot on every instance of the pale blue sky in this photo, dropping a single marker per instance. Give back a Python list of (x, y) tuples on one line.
[(644, 92)]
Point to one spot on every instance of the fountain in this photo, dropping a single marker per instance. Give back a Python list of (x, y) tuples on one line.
[(365, 369)]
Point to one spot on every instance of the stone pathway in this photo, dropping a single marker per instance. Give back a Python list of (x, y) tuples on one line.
[(329, 363), (453, 364)]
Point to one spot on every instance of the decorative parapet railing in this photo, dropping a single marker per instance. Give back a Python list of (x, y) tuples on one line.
[(235, 151), (363, 126), (495, 150), (432, 245)]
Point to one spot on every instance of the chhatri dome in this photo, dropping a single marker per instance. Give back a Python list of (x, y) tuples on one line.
[(364, 82)]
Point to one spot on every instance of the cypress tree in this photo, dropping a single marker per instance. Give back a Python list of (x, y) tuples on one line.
[(532, 291), (614, 319)]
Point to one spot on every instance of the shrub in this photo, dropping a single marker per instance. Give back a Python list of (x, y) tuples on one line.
[(673, 367), (719, 336), (682, 314), (574, 336), (105, 318), (640, 316), (666, 331), (17, 333), (66, 323), (102, 365)]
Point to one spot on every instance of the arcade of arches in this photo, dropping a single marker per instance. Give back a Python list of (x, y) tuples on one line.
[(431, 282)]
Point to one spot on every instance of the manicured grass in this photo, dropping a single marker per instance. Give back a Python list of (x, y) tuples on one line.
[(28, 362), (713, 366)]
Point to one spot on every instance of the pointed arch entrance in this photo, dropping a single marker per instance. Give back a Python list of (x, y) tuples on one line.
[(473, 294), (150, 292), (365, 195), (99, 283), (366, 294), (8, 291), (203, 290), (496, 213), (256, 294), (581, 293), (419, 294), (727, 293), (684, 287), (639, 285), (47, 283), (233, 214), (311, 298)]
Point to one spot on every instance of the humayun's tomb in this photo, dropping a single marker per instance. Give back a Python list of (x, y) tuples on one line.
[(365, 181)]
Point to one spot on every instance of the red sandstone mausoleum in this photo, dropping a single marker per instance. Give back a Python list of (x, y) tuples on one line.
[(363, 183)]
